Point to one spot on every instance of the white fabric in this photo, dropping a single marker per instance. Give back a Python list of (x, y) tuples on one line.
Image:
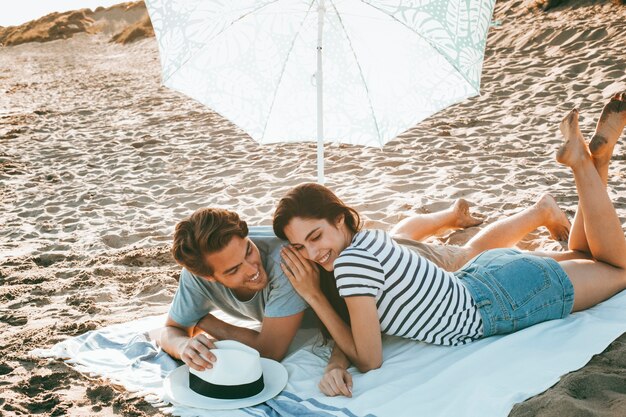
[(387, 64), (415, 379)]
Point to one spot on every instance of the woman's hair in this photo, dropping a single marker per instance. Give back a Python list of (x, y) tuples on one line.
[(329, 289), (314, 201)]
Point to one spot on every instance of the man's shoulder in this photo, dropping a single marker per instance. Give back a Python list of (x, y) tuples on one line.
[(265, 239), (269, 245), (198, 284)]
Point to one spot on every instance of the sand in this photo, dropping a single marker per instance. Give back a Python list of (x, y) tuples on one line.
[(98, 162), (127, 22)]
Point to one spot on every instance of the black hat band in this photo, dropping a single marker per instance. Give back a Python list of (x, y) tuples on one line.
[(225, 392)]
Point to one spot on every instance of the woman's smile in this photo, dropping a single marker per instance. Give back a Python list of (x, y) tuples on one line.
[(318, 240), (324, 258)]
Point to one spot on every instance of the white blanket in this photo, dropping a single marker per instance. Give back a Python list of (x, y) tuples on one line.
[(484, 378)]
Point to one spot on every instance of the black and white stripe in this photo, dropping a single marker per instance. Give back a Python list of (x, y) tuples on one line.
[(415, 298)]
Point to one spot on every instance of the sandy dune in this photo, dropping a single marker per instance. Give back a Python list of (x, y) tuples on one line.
[(98, 162), (127, 22)]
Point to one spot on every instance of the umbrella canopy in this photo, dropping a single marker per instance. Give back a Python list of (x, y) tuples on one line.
[(387, 65)]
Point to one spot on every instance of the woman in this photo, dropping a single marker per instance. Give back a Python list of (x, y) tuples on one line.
[(499, 291)]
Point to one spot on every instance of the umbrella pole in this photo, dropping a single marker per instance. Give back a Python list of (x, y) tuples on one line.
[(320, 101)]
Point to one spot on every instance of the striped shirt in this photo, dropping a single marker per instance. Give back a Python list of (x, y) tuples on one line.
[(415, 298)]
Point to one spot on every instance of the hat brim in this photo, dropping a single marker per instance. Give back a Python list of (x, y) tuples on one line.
[(176, 386)]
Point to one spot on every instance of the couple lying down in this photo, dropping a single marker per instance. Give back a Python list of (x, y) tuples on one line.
[(432, 293)]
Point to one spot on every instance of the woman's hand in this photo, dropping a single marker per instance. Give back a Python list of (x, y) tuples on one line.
[(336, 381), (302, 273)]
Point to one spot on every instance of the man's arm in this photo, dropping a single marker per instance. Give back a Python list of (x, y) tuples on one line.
[(178, 341), (272, 341)]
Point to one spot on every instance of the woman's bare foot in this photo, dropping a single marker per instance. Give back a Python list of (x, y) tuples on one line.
[(608, 130), (574, 151), (463, 217), (555, 219)]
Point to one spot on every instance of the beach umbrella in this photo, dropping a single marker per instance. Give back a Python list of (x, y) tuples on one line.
[(349, 71)]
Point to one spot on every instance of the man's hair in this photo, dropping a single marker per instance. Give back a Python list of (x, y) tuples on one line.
[(206, 231)]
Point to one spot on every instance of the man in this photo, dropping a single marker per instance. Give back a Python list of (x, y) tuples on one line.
[(225, 269)]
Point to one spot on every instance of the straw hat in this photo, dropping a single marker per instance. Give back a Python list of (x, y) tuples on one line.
[(239, 378)]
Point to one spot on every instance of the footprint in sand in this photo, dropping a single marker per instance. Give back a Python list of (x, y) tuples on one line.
[(102, 395), (82, 303), (47, 259), (14, 319), (46, 404), (38, 384), (73, 329), (5, 369)]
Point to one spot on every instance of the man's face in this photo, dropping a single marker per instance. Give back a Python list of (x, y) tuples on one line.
[(238, 266)]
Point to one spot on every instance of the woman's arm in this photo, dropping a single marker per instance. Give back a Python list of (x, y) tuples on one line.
[(362, 343), (337, 380)]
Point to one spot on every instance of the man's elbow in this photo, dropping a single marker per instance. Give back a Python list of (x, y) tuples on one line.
[(273, 353), (163, 336), (156, 335)]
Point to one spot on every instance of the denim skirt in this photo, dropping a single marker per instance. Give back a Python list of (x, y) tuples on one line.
[(514, 290)]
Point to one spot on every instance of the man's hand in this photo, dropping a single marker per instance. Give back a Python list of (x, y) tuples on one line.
[(196, 353), (336, 381)]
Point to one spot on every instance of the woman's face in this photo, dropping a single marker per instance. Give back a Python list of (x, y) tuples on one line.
[(318, 240)]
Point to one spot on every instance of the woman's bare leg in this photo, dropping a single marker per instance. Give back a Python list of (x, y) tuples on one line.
[(422, 226), (602, 226), (507, 232), (503, 233), (608, 130), (593, 281)]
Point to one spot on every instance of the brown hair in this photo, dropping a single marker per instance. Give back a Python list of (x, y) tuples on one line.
[(206, 231), (314, 201)]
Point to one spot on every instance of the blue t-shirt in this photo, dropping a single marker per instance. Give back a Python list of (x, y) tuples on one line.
[(196, 296)]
